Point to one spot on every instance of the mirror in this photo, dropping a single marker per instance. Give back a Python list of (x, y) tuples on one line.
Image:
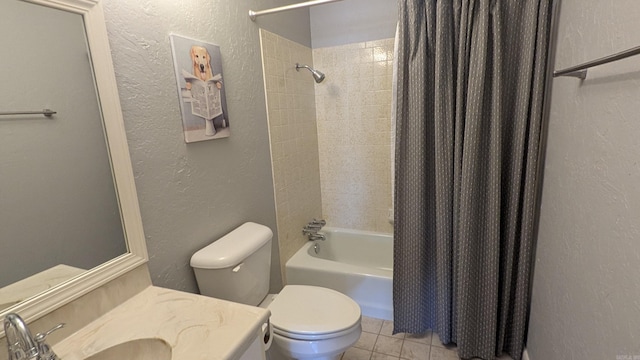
[(69, 216), (58, 197)]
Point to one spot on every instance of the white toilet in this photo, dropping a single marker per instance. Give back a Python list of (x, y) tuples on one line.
[(309, 322)]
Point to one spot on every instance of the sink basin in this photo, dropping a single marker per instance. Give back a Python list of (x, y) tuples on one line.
[(141, 349)]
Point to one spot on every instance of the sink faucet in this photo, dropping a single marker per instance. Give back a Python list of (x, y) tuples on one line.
[(22, 345)]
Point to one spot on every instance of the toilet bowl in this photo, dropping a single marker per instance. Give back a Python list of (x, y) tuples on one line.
[(330, 349), (309, 322)]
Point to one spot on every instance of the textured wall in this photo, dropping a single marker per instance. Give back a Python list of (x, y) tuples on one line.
[(353, 21), (193, 194), (586, 292), (353, 107), (294, 140)]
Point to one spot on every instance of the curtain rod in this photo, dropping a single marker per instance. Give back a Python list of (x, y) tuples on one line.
[(580, 71), (254, 14)]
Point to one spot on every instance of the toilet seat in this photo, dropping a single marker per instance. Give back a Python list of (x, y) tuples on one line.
[(312, 337), (304, 312)]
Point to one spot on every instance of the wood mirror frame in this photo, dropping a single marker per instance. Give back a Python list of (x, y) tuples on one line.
[(104, 76)]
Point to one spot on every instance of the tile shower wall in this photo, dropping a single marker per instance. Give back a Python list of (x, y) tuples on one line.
[(294, 141), (353, 109)]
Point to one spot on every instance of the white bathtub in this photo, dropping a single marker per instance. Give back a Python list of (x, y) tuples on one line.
[(356, 263)]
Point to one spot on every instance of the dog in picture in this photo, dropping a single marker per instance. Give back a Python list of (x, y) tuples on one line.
[(201, 67)]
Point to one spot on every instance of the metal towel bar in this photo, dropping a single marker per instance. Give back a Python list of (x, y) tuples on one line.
[(580, 71), (45, 112)]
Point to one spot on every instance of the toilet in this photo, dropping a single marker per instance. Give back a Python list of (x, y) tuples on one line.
[(309, 322)]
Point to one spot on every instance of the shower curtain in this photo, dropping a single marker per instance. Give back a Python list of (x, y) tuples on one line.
[(470, 85)]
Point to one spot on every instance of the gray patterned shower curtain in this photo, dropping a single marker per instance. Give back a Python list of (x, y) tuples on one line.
[(471, 77)]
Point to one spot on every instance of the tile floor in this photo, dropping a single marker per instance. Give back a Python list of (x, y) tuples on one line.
[(378, 343)]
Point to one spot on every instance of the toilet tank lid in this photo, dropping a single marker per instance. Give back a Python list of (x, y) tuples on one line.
[(233, 248)]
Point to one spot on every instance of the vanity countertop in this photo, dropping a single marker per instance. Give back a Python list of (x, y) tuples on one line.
[(35, 284), (195, 326)]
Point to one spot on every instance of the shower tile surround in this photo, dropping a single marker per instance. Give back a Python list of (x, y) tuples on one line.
[(330, 145), (293, 136), (353, 111)]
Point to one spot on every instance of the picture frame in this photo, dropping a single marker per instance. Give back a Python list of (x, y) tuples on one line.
[(201, 90)]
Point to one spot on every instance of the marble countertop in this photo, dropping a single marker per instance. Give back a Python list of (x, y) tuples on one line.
[(195, 326), (35, 284)]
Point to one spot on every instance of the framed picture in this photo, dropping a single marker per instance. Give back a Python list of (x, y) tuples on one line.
[(198, 68)]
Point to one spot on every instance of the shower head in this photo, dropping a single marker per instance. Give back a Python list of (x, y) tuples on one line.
[(317, 75)]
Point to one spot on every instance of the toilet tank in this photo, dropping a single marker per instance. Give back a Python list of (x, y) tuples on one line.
[(237, 266)]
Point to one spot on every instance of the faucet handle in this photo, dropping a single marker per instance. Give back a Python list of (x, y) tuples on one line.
[(44, 349), (40, 337)]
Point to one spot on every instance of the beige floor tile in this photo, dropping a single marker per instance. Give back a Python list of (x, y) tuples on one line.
[(415, 351), (371, 325), (439, 353), (356, 354), (435, 341), (387, 330), (388, 345), (378, 356), (420, 338), (366, 341)]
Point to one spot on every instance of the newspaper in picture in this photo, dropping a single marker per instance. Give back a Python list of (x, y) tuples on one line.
[(205, 96)]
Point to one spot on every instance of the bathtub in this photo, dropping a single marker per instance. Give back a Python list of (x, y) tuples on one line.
[(356, 263)]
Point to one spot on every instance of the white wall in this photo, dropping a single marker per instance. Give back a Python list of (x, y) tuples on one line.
[(586, 291), (352, 21)]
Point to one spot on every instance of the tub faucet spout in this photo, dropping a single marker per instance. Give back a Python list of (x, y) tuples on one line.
[(316, 236)]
